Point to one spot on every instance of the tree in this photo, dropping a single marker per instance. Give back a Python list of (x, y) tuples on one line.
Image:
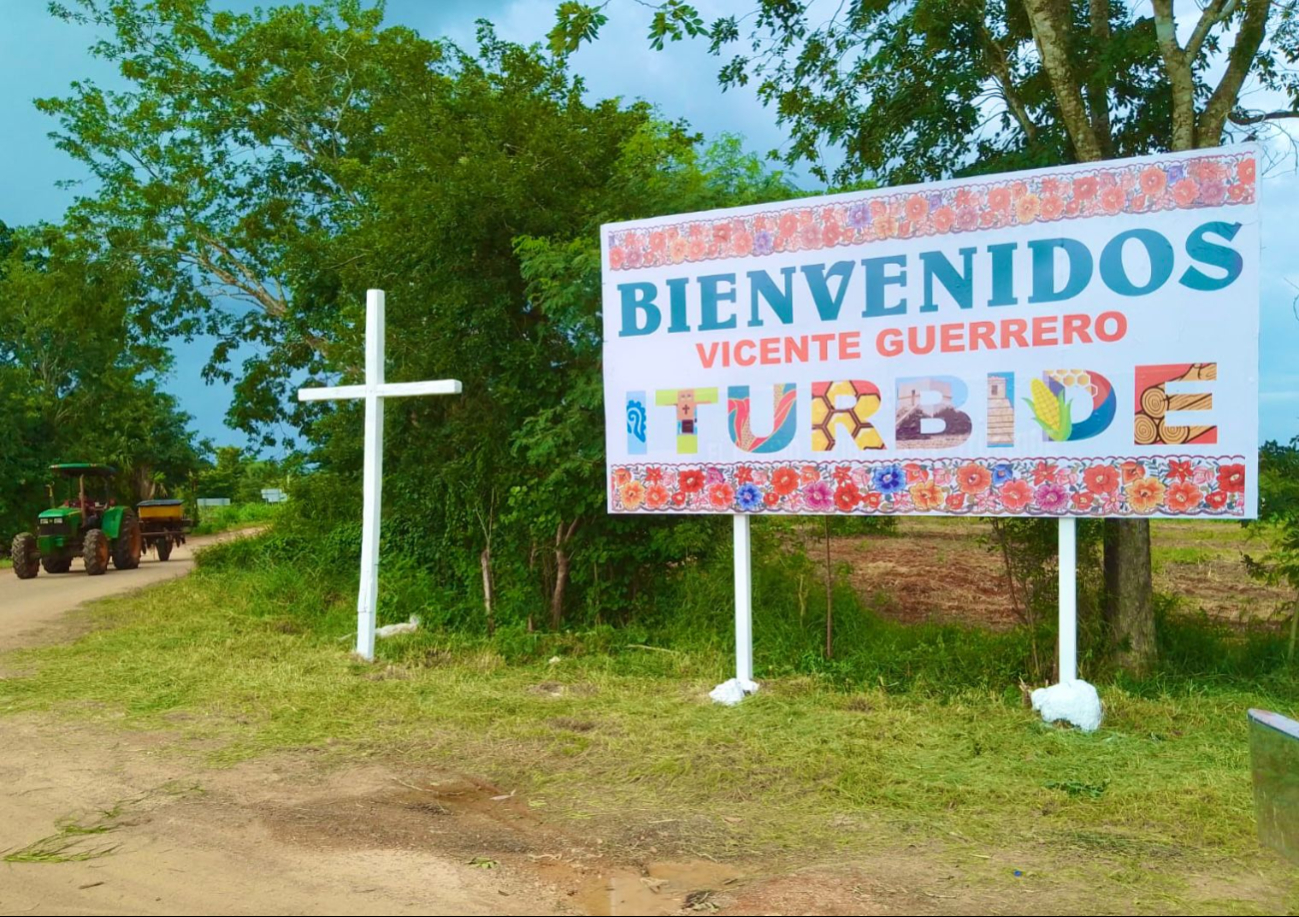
[(1278, 522), (80, 360), (927, 89), (292, 157)]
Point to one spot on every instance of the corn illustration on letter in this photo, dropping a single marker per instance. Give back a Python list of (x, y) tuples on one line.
[(1051, 411)]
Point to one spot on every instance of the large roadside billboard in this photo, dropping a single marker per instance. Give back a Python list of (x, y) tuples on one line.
[(1080, 340)]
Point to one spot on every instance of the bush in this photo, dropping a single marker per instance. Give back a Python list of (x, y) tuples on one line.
[(214, 519), (687, 617)]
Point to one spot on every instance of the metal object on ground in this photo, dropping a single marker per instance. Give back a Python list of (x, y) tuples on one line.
[(1274, 751)]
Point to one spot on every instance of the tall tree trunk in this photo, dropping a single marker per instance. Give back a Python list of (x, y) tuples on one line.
[(1050, 22), (562, 562), (1294, 632), (486, 560), (488, 524), (1110, 553), (1129, 593), (1133, 608)]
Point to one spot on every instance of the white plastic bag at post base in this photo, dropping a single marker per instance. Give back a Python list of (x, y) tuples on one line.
[(732, 692), (392, 630), (1074, 702)]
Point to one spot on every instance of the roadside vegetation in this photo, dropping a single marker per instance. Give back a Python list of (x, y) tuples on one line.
[(213, 519), (911, 730)]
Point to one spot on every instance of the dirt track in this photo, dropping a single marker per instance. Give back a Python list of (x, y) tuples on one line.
[(29, 607), (181, 838)]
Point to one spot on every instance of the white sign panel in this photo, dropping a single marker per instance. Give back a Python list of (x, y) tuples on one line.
[(1080, 340)]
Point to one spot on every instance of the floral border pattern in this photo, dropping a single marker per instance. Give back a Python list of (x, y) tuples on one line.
[(1209, 181), (1111, 486)]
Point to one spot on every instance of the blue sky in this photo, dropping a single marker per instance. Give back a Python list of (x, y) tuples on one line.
[(40, 56)]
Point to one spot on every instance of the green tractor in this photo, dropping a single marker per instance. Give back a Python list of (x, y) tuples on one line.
[(92, 527)]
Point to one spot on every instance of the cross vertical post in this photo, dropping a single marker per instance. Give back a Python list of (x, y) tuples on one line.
[(367, 601), (373, 392)]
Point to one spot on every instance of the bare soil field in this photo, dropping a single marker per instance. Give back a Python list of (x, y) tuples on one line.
[(1202, 562)]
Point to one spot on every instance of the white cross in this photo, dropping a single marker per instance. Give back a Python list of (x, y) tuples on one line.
[(374, 391)]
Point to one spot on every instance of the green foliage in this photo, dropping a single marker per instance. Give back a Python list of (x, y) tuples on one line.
[(81, 364), (1279, 512), (241, 477), (292, 157), (1279, 516), (914, 91), (692, 615), (212, 519), (1029, 550)]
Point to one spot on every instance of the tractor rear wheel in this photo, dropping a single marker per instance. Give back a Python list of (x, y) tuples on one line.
[(163, 547), (128, 544), (95, 553), (54, 563), (26, 557)]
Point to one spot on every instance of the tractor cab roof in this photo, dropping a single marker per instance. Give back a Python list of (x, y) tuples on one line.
[(89, 469)]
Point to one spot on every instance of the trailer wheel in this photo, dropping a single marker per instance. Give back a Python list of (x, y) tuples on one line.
[(56, 564), (26, 557), (95, 552), (163, 547), (127, 546)]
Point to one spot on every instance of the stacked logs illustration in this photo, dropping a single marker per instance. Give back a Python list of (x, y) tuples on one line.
[(1151, 426)]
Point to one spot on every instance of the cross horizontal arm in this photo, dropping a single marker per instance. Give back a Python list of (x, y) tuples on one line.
[(432, 387), (329, 394), (386, 390)]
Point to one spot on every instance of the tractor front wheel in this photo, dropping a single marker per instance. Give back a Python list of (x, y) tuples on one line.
[(163, 547), (95, 552), (54, 563), (26, 557), (129, 543)]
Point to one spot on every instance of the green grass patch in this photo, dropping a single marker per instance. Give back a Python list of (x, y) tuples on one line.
[(1185, 555), (910, 731), (612, 732), (214, 519)]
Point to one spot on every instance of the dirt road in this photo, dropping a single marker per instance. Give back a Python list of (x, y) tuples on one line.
[(29, 607), (99, 823), (94, 821)]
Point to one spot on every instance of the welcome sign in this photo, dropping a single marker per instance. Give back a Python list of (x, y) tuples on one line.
[(1081, 340)]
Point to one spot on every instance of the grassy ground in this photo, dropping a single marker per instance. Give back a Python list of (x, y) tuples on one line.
[(214, 519), (623, 743)]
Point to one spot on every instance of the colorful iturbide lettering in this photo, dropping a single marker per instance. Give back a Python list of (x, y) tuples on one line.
[(739, 419)]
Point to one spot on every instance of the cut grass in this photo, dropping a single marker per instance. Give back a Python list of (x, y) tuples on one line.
[(69, 844), (624, 746)]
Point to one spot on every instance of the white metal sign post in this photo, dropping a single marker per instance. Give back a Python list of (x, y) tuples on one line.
[(1068, 562), (743, 605), (742, 685), (374, 391)]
